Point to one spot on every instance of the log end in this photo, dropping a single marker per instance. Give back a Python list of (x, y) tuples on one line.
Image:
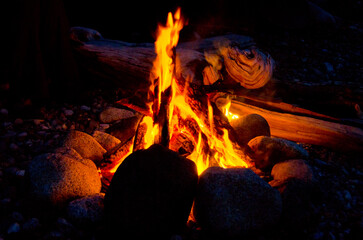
[(249, 67)]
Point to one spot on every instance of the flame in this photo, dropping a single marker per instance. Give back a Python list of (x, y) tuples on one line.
[(212, 146), (230, 116), (167, 39)]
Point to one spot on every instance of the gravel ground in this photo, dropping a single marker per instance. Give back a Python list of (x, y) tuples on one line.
[(319, 58)]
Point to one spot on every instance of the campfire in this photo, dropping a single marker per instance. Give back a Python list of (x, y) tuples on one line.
[(181, 117), (191, 142)]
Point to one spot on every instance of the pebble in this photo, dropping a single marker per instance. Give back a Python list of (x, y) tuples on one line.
[(68, 112), (14, 147), (85, 108), (22, 136), (17, 216), (4, 111), (318, 235), (176, 237), (15, 172), (103, 126), (7, 124), (18, 121), (329, 67), (64, 226), (14, 228), (347, 195), (31, 224), (55, 235), (6, 201)]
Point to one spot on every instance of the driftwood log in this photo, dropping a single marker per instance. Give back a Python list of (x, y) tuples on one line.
[(227, 58), (122, 62), (303, 129)]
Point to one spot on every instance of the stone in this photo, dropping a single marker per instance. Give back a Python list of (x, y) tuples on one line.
[(85, 108), (64, 226), (113, 114), (329, 67), (87, 210), (291, 169), (4, 112), (14, 228), (57, 177), (68, 112), (234, 202), (106, 140), (151, 194), (18, 121), (267, 151), (125, 128), (85, 145), (250, 126), (31, 224)]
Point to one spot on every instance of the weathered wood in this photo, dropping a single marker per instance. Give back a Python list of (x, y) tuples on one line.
[(129, 64), (249, 67), (279, 106), (303, 129)]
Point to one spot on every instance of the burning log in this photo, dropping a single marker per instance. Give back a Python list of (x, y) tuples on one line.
[(129, 64), (303, 129)]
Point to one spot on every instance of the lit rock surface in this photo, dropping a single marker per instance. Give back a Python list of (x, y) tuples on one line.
[(250, 126), (85, 145), (268, 151), (112, 114), (292, 169), (59, 177), (106, 140)]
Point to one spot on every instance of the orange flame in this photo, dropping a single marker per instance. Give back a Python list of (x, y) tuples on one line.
[(167, 39), (211, 148), (230, 116), (220, 150)]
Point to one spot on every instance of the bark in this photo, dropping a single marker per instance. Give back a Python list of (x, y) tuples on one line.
[(304, 129)]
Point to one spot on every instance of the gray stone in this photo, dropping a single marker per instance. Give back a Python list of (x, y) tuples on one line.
[(85, 145), (31, 224), (58, 177), (68, 112), (14, 228), (64, 226), (268, 151), (112, 114), (233, 202), (250, 126), (87, 210), (85, 108), (328, 67)]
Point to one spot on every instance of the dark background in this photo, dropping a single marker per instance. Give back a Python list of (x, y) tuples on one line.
[(38, 59)]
